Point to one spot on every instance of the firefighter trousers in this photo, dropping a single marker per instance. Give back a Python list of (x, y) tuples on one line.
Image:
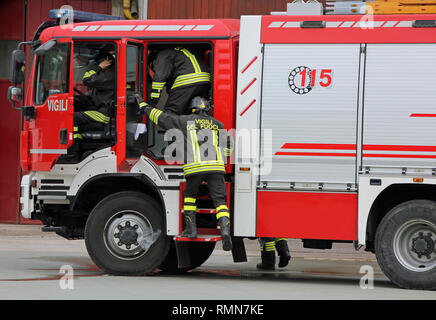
[(180, 98), (217, 190)]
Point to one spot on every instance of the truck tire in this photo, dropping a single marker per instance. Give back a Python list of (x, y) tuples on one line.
[(405, 244), (198, 251), (125, 234)]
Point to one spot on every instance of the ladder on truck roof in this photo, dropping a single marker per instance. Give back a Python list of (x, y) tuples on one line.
[(381, 7)]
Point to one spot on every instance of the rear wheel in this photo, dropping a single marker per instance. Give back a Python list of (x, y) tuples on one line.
[(125, 234), (406, 244), (198, 251)]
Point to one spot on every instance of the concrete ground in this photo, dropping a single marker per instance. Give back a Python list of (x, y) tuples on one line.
[(36, 265)]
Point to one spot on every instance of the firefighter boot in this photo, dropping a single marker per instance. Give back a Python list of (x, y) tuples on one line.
[(268, 260), (190, 230), (283, 252), (224, 223)]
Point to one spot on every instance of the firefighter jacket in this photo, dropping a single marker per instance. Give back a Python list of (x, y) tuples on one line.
[(104, 84), (204, 140), (177, 68)]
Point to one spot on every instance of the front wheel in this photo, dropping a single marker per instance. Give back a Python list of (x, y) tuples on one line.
[(406, 244), (125, 234)]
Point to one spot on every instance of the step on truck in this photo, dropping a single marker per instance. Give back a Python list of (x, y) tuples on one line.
[(334, 123)]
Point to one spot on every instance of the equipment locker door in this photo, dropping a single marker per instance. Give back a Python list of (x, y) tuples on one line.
[(310, 103), (399, 126), (51, 132)]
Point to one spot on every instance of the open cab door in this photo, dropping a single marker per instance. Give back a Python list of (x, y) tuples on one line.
[(130, 124), (49, 132)]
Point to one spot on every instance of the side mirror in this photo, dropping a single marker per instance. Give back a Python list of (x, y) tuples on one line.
[(18, 66), (42, 49), (15, 94)]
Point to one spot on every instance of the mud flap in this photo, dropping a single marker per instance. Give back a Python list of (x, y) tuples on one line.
[(238, 250), (183, 256)]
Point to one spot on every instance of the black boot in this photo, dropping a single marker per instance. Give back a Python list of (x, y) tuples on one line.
[(268, 261), (190, 230), (73, 153), (224, 223), (283, 252)]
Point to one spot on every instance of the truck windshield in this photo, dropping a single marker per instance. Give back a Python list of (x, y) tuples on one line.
[(52, 73)]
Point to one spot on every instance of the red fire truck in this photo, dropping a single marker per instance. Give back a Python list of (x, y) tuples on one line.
[(334, 122)]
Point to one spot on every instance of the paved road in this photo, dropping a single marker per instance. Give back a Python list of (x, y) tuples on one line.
[(30, 264)]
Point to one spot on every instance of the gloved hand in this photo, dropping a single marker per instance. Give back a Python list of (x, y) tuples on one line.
[(141, 103)]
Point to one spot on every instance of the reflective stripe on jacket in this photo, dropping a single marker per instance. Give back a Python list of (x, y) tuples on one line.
[(175, 68), (203, 140)]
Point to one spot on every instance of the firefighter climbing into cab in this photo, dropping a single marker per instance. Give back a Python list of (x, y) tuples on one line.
[(184, 75), (203, 160)]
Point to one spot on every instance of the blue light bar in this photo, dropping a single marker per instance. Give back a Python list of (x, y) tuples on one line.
[(81, 16)]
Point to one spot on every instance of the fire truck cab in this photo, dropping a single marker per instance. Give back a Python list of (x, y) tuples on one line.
[(334, 140)]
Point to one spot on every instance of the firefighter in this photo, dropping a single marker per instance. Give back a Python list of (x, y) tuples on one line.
[(268, 246), (203, 161), (183, 74), (102, 80)]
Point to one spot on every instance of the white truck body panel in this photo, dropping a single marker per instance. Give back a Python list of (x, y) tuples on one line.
[(324, 116)]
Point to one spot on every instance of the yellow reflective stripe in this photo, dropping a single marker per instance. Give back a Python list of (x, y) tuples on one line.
[(189, 208), (191, 78), (198, 147), (221, 207), (193, 145), (153, 111), (154, 114), (158, 85), (188, 172), (75, 129), (97, 116), (192, 75), (191, 200), (280, 239), (142, 104), (215, 141), (192, 58), (184, 83), (77, 136), (88, 74), (199, 166), (222, 214), (203, 163), (154, 95)]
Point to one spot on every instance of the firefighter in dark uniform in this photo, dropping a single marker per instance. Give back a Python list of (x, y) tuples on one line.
[(204, 141), (183, 74), (102, 80), (268, 246)]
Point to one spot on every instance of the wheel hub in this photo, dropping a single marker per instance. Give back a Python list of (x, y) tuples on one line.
[(127, 234), (423, 245), (415, 245)]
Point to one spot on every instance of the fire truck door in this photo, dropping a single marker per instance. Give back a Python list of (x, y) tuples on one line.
[(309, 104), (51, 132), (131, 80)]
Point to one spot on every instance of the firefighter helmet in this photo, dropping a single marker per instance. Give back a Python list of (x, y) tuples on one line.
[(199, 104)]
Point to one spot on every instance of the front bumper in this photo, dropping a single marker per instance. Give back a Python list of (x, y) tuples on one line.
[(26, 199)]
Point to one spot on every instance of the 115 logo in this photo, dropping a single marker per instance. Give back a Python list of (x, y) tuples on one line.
[(303, 79)]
